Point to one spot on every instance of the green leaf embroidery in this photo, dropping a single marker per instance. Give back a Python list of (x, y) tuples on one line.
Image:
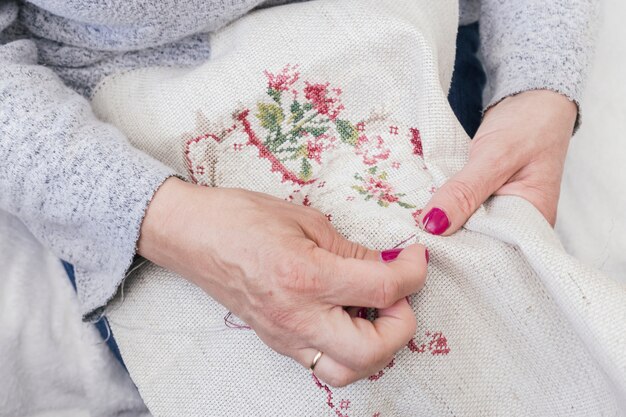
[(274, 94), (359, 189), (306, 170), (347, 132), (297, 112), (270, 115), (300, 152), (317, 131), (405, 205)]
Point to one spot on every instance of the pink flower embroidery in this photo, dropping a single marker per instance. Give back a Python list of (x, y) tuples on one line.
[(323, 100), (375, 186), (283, 80), (380, 189), (372, 150), (317, 145)]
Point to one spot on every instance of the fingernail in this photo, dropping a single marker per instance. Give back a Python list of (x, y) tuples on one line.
[(427, 255), (390, 254), (362, 313), (436, 222)]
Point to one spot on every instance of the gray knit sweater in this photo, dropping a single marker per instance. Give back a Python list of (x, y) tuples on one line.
[(82, 189)]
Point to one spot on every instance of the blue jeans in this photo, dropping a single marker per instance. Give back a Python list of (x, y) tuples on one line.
[(468, 80), (465, 97), (102, 325)]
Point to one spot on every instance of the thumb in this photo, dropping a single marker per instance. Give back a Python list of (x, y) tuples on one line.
[(453, 204)]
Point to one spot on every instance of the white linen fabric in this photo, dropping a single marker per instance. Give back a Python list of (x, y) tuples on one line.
[(342, 106)]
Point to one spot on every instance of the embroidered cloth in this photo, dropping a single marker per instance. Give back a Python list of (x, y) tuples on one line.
[(341, 105)]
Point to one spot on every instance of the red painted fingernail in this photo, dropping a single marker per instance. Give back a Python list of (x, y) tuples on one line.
[(390, 254), (427, 255), (362, 313), (436, 222)]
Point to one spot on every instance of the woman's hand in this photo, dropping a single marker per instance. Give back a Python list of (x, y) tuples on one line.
[(287, 273), (519, 150)]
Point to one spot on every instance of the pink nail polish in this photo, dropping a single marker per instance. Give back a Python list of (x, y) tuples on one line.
[(390, 254), (436, 222), (427, 255), (362, 313)]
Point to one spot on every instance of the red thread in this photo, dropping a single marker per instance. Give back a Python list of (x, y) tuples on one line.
[(413, 347), (380, 373), (372, 150), (329, 397), (416, 216), (277, 166), (318, 94), (284, 79), (438, 344), (393, 130), (416, 141), (188, 162), (231, 324)]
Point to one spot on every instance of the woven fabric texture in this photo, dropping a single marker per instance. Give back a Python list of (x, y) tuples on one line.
[(342, 106)]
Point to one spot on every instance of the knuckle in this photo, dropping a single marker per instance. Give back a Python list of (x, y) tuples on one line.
[(319, 222), (387, 293), (296, 275), (465, 196)]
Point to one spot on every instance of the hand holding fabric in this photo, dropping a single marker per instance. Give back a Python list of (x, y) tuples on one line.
[(288, 274), (520, 150)]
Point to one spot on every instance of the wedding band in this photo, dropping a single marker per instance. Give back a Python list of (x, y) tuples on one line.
[(316, 359)]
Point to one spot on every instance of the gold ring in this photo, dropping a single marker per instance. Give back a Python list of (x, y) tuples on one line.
[(316, 359)]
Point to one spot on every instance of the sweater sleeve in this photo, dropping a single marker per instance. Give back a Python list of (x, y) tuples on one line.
[(75, 182), (537, 44)]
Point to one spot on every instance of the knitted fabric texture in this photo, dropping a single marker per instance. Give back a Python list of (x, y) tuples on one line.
[(342, 106)]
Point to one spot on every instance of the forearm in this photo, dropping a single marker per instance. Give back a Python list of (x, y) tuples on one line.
[(74, 181), (532, 45)]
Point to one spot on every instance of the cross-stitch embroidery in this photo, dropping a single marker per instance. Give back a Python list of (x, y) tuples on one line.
[(295, 128)]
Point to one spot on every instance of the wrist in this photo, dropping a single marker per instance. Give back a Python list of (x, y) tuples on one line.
[(551, 112), (156, 236)]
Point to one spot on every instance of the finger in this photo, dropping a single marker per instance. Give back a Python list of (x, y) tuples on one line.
[(363, 346), (327, 369), (453, 204), (371, 283)]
